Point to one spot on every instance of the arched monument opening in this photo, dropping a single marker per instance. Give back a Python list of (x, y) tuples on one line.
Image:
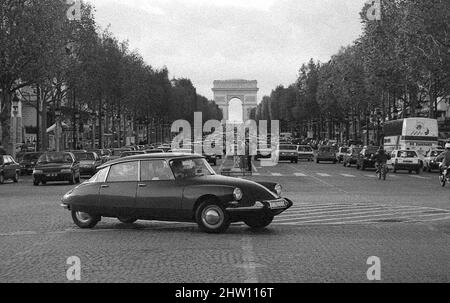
[(235, 111), (227, 90)]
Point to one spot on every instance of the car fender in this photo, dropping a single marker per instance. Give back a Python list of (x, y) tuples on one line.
[(194, 194)]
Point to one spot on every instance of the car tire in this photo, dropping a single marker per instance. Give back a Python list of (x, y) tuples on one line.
[(84, 220), (16, 178), (259, 223), (36, 182), (78, 179), (127, 220), (2, 179), (419, 171), (358, 167), (212, 218)]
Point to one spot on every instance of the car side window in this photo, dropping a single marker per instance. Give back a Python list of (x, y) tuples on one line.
[(157, 170), (123, 172)]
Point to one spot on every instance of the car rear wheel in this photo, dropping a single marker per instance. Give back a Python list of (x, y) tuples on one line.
[(259, 222), (16, 178), (127, 220), (84, 220), (212, 218)]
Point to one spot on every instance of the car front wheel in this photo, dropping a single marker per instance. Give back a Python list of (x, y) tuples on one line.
[(259, 223), (2, 179), (84, 220), (127, 220), (212, 218), (16, 178)]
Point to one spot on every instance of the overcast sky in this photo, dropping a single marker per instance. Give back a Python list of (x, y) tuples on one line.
[(207, 40)]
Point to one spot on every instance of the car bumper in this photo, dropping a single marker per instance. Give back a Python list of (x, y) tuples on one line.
[(288, 157), (406, 166), (326, 158), (237, 213), (87, 171), (369, 164), (306, 156), (434, 165), (51, 178)]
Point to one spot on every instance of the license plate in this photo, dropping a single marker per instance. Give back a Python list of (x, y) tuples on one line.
[(277, 204)]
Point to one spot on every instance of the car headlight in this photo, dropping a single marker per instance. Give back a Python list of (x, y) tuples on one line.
[(278, 189), (38, 172), (238, 194), (66, 171)]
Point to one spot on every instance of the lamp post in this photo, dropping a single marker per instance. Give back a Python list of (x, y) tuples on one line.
[(15, 106), (57, 128), (76, 123)]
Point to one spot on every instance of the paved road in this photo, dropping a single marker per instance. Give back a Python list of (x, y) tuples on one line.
[(341, 217)]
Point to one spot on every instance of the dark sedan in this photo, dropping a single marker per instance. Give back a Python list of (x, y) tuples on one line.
[(9, 169), (89, 161), (56, 166), (351, 157), (173, 187), (365, 158), (28, 162)]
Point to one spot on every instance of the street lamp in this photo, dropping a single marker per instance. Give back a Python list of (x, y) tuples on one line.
[(58, 114), (15, 107)]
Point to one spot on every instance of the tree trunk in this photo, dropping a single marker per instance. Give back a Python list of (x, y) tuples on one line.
[(5, 120), (44, 125)]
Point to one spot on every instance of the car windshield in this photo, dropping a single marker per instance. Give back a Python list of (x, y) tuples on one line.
[(55, 158), (407, 154), (288, 147), (30, 157), (436, 153), (85, 156), (191, 168)]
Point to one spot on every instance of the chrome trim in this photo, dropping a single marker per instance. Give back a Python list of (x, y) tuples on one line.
[(65, 206)]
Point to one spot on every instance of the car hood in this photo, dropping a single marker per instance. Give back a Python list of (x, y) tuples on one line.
[(252, 191), (53, 165)]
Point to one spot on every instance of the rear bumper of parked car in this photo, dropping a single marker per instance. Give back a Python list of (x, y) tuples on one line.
[(88, 171), (52, 178), (306, 156), (407, 166), (261, 208)]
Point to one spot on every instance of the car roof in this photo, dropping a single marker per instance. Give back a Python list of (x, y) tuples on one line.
[(159, 156)]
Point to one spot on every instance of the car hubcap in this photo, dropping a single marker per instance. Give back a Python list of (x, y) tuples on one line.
[(83, 217), (212, 216)]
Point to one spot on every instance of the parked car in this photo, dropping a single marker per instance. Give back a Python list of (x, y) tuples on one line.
[(102, 153), (154, 151), (340, 154), (116, 152), (173, 187), (326, 153), (9, 169), (365, 158), (57, 166), (431, 160), (305, 152), (131, 153), (288, 152), (351, 157), (405, 160), (28, 162), (89, 161)]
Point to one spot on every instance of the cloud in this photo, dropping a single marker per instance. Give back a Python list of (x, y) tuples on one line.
[(207, 40)]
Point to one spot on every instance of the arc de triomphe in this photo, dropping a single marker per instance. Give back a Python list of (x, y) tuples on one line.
[(244, 90)]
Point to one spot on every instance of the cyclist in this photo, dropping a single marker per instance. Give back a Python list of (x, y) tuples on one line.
[(380, 158), (445, 157)]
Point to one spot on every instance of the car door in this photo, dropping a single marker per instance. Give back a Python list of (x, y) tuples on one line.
[(158, 194), (117, 196)]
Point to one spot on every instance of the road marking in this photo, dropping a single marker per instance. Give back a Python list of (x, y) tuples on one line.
[(323, 175), (249, 261), (420, 177), (256, 174), (300, 175), (370, 176), (277, 175), (348, 176)]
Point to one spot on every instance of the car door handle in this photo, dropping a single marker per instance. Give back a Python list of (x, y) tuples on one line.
[(142, 185), (105, 186)]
